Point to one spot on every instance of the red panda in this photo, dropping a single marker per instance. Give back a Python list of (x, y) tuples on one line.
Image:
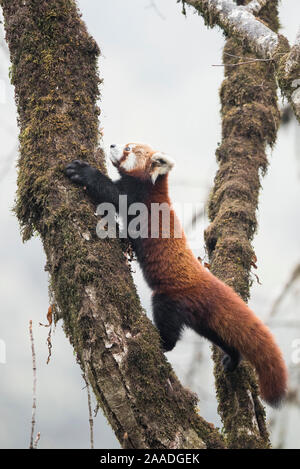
[(185, 294)]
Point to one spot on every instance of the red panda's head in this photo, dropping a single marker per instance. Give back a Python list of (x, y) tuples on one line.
[(140, 160)]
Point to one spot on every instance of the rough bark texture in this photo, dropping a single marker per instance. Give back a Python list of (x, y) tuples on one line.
[(238, 22), (54, 71), (255, 5), (250, 120)]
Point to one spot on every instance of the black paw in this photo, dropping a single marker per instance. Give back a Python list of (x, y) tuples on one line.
[(230, 363), (167, 346), (80, 172)]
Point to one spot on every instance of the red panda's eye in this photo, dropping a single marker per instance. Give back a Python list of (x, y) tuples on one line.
[(127, 148)]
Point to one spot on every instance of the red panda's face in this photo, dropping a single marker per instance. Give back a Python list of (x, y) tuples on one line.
[(140, 160)]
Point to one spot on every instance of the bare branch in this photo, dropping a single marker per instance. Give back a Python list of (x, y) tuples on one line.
[(91, 421), (37, 439), (153, 5), (32, 444)]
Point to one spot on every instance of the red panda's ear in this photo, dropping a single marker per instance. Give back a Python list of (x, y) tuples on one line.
[(161, 164)]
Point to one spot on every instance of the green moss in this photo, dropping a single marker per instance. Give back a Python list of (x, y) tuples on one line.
[(250, 120), (54, 70), (269, 14), (242, 431)]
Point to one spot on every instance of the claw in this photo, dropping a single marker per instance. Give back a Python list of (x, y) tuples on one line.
[(77, 171), (76, 164)]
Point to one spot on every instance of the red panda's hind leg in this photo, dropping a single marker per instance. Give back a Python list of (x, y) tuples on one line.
[(169, 320), (231, 362), (232, 357), (171, 316)]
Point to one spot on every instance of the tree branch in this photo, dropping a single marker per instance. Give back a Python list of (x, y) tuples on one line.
[(236, 21), (255, 6), (250, 119), (54, 71), (292, 68), (31, 445)]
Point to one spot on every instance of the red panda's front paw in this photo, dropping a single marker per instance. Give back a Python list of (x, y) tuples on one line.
[(80, 172)]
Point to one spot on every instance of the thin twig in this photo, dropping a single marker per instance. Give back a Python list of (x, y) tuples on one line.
[(153, 5), (49, 344), (91, 421), (294, 276), (199, 215), (50, 322), (37, 438), (242, 63), (250, 58), (34, 387)]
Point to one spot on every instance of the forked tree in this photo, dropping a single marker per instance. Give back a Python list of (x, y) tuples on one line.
[(54, 71)]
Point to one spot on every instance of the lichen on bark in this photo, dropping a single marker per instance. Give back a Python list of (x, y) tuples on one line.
[(54, 71), (250, 119)]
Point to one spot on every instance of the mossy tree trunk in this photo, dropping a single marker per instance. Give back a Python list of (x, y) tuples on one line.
[(250, 120), (54, 71)]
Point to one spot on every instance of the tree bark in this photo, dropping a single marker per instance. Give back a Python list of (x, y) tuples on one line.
[(54, 71), (250, 119), (254, 6), (238, 22)]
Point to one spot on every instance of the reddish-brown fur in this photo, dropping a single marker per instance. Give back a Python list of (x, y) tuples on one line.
[(184, 292), (172, 269)]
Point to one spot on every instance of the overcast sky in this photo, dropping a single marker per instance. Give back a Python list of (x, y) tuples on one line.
[(159, 87)]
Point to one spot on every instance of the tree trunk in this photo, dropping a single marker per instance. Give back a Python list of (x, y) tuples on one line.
[(250, 119), (54, 71)]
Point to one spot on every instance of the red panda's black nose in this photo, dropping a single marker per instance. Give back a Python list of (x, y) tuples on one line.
[(112, 146)]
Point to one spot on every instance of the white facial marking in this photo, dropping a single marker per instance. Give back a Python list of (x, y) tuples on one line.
[(130, 162), (116, 153)]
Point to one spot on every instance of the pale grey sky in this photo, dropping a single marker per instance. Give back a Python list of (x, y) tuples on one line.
[(159, 87)]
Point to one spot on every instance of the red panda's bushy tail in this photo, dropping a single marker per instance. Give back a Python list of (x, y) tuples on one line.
[(240, 328)]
